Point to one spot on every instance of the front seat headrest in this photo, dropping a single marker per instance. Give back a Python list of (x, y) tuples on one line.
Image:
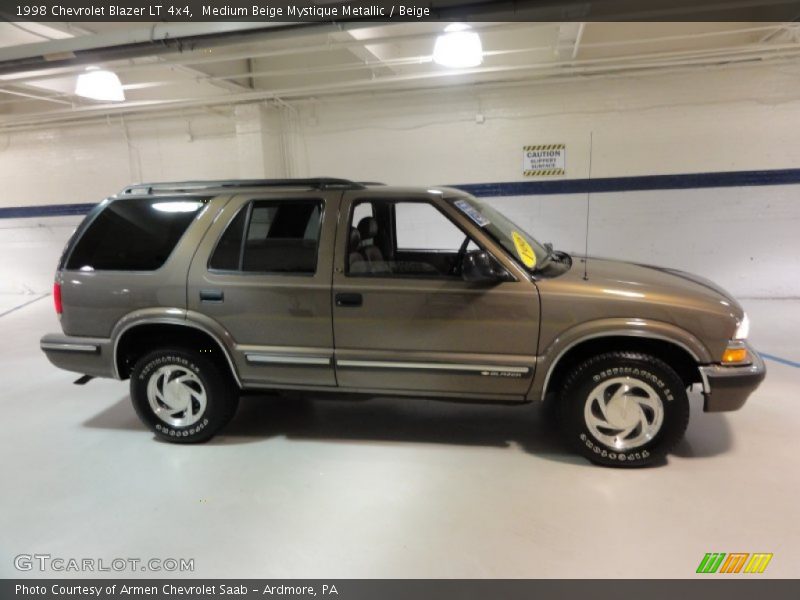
[(368, 228)]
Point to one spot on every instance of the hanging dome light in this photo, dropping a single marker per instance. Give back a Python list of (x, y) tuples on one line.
[(458, 47), (100, 84)]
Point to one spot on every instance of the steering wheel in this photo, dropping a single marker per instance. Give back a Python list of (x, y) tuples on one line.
[(459, 259)]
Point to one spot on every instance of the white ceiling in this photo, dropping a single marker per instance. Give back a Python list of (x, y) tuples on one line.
[(311, 62)]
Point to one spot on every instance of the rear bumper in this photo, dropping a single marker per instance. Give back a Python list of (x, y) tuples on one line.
[(727, 388), (88, 356)]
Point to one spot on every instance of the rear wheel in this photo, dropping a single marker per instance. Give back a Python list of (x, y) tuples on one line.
[(623, 409), (182, 396)]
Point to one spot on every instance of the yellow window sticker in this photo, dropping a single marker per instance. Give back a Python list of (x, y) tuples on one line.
[(524, 250)]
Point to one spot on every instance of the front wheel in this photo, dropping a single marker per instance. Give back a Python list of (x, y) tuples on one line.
[(182, 396), (623, 409)]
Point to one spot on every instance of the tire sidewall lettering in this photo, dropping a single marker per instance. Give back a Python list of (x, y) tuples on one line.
[(636, 373), (601, 451)]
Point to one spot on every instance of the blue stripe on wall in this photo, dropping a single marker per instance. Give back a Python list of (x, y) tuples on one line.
[(532, 188), (48, 210), (635, 184)]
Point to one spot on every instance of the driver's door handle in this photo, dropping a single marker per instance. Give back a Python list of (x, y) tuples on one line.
[(351, 299)]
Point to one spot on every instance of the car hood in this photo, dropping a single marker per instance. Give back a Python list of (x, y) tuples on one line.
[(654, 285), (633, 294)]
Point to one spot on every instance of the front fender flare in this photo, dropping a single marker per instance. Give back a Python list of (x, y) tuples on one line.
[(617, 327)]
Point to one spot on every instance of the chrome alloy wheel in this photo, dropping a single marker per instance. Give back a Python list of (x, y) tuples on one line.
[(176, 395), (623, 413)]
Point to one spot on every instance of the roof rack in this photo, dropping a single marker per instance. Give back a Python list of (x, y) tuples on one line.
[(317, 183)]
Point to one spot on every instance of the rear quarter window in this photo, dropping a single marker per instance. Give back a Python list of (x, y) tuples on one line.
[(136, 234)]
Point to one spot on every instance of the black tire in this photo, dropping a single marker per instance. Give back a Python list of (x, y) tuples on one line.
[(650, 381), (211, 393)]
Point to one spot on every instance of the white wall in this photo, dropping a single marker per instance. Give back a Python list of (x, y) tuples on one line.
[(30, 250), (728, 120)]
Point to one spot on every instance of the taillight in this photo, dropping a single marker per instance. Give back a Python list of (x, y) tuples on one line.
[(57, 297)]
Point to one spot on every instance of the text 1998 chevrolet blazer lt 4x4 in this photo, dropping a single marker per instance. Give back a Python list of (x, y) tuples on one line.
[(195, 290)]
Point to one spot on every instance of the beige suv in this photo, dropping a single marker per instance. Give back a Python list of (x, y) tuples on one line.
[(197, 290)]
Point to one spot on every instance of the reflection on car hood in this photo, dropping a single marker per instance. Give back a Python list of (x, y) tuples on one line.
[(622, 279)]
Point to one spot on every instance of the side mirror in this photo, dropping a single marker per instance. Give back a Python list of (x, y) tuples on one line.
[(481, 267)]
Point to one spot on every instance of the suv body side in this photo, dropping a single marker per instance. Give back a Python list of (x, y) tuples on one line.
[(332, 285), (480, 341)]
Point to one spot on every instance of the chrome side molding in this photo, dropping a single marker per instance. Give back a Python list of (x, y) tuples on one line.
[(70, 347), (433, 366), (282, 359)]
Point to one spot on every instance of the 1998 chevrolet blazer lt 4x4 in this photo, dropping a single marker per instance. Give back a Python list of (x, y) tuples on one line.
[(195, 290)]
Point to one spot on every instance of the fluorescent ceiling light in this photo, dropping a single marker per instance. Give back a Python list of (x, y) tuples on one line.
[(458, 47), (100, 84)]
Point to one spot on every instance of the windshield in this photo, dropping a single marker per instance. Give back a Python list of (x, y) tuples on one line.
[(520, 244)]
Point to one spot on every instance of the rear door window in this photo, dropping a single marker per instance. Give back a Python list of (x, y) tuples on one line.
[(133, 234), (280, 236)]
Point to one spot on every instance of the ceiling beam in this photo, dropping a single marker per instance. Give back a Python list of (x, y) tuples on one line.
[(161, 38), (511, 74)]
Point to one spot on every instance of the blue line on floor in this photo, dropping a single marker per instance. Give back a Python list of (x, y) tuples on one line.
[(783, 361), (24, 304)]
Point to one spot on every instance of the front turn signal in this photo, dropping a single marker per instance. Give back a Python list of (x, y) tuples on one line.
[(734, 355)]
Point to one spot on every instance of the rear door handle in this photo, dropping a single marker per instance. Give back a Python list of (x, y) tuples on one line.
[(212, 296), (349, 300)]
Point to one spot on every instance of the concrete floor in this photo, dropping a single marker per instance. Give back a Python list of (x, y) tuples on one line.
[(388, 488)]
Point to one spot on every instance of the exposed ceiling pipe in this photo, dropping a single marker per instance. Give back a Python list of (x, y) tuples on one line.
[(630, 61), (164, 38), (383, 40), (382, 84), (224, 110), (189, 59), (33, 96), (114, 46)]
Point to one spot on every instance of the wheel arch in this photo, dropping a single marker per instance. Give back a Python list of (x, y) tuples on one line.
[(139, 336), (684, 353)]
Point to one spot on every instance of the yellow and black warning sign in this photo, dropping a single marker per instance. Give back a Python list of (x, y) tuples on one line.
[(544, 160)]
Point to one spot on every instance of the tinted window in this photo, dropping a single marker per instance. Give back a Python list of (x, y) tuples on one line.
[(282, 237), (135, 234), (229, 247)]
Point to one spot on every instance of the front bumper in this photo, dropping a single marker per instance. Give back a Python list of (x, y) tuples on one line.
[(727, 388), (88, 356)]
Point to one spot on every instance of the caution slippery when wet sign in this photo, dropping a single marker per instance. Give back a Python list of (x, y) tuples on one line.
[(544, 160)]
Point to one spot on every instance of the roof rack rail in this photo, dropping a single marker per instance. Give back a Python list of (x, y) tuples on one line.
[(318, 183)]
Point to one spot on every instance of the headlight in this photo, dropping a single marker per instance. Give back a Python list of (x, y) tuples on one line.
[(743, 329)]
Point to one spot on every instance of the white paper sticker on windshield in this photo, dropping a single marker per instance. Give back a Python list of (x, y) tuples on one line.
[(472, 212)]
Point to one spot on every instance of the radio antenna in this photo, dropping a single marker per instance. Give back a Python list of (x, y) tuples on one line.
[(588, 198)]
